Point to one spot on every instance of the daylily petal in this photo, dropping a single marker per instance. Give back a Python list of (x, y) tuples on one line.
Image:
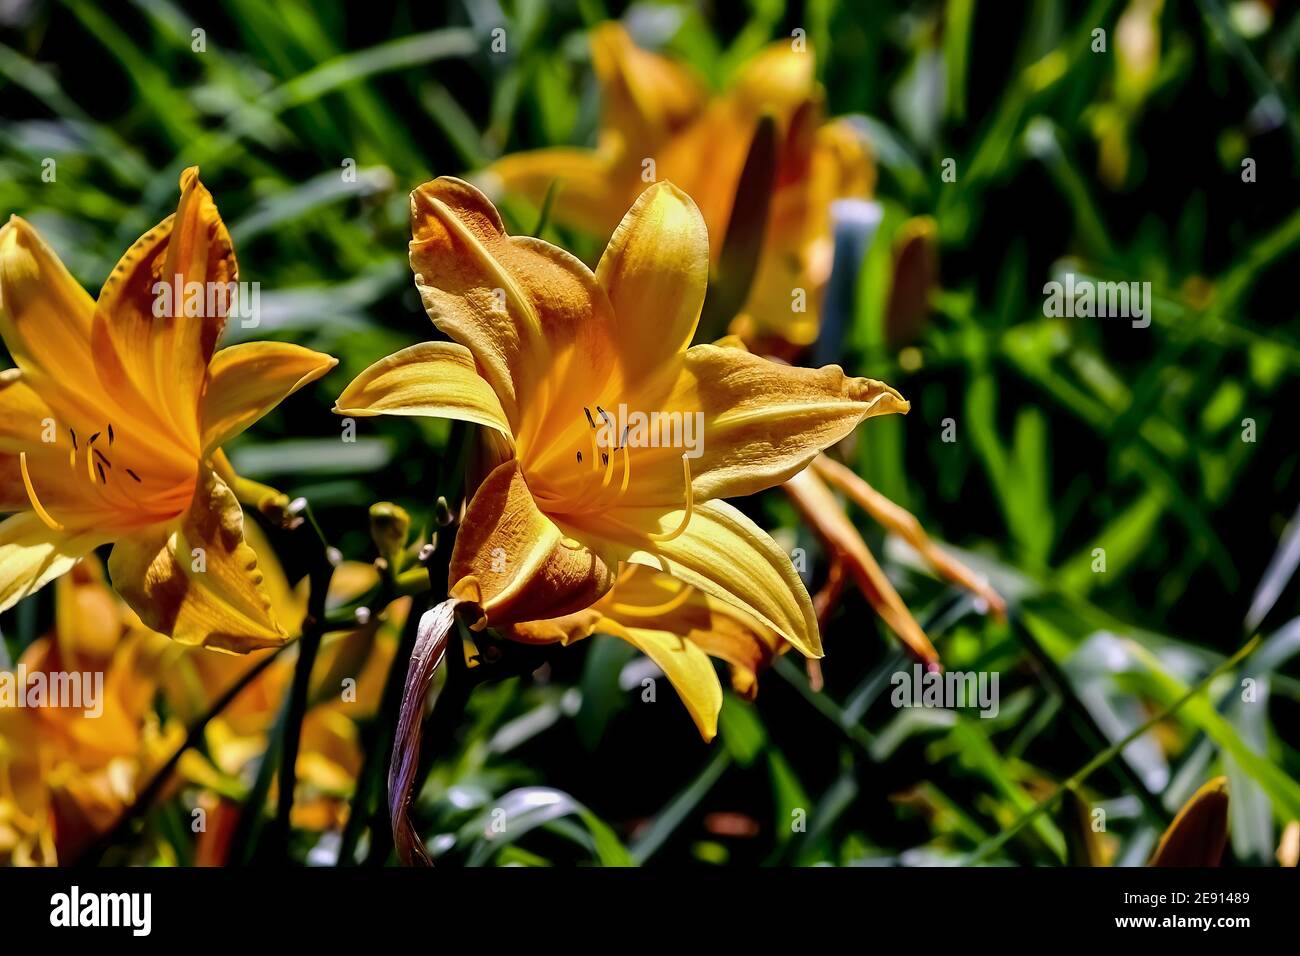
[(514, 562), (655, 270), (434, 379), (903, 523), (687, 668), (196, 579), (762, 422), (823, 512), (644, 96), (45, 317), (646, 598), (249, 380), (558, 630), (23, 413), (585, 195), (721, 552), (778, 78), (162, 359), (722, 133), (528, 311), (32, 554)]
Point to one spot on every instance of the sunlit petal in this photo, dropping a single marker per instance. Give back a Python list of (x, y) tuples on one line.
[(196, 579), (249, 380), (434, 379)]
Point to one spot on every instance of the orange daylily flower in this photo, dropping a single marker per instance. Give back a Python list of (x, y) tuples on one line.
[(656, 109), (548, 356), (111, 427)]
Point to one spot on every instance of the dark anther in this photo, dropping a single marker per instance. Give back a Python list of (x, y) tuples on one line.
[(590, 421), (100, 455), (137, 478), (73, 433), (580, 458), (100, 468), (110, 433)]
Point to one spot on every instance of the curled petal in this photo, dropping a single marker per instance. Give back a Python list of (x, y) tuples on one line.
[(45, 320), (514, 563), (761, 422), (904, 524), (529, 312), (820, 509), (435, 379), (196, 579), (650, 599)]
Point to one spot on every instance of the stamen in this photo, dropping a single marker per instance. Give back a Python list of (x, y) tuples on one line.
[(580, 458), (72, 455), (102, 457), (672, 604), (627, 469), (110, 434), (133, 474), (590, 421), (31, 495), (100, 468), (609, 471), (690, 506)]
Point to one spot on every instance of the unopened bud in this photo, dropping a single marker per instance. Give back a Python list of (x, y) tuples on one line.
[(389, 527)]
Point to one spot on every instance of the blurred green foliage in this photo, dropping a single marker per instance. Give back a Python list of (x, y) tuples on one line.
[(1072, 435)]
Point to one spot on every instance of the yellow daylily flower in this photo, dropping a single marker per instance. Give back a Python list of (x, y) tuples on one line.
[(66, 778), (552, 357), (656, 109), (330, 754), (67, 773), (679, 628), (112, 421)]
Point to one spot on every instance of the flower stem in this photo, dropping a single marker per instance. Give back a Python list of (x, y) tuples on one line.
[(313, 627), (379, 754), (193, 737)]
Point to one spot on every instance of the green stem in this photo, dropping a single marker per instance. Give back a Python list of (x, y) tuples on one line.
[(313, 627)]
